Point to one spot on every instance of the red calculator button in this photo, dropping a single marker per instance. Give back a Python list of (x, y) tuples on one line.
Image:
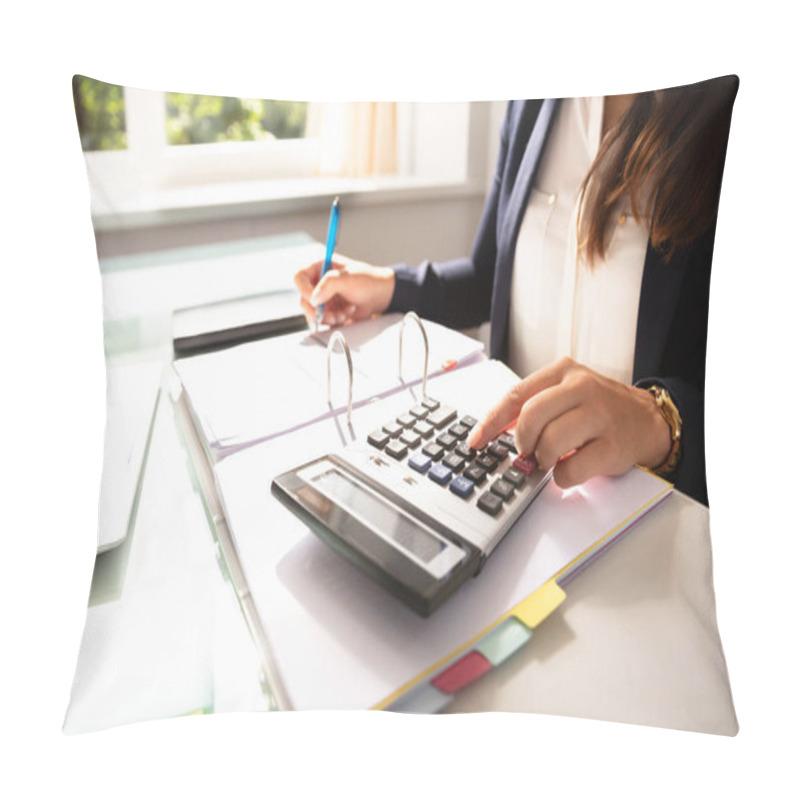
[(524, 464)]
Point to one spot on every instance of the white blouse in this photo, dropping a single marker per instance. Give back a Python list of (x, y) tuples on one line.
[(560, 306)]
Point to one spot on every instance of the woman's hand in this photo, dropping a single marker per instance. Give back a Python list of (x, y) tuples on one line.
[(579, 422), (350, 291)]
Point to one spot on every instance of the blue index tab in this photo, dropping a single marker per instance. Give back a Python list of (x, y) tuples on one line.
[(503, 641), (419, 462), (421, 699), (462, 486), (440, 474)]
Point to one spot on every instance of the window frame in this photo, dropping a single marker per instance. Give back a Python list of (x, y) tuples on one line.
[(441, 147), (151, 163)]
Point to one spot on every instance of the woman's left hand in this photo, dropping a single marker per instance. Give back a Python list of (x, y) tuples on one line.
[(580, 422)]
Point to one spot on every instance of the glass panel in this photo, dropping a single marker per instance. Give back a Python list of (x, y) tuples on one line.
[(203, 119), (100, 110)]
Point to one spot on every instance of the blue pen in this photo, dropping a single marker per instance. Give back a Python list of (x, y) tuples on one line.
[(333, 230)]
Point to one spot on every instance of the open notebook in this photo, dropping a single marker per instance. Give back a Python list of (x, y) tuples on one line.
[(253, 392), (330, 637)]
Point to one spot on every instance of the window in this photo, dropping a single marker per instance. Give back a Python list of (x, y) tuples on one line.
[(153, 156), (190, 118), (100, 109), (203, 119)]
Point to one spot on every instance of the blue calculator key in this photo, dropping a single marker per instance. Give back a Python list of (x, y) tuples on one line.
[(440, 474), (462, 486), (419, 462)]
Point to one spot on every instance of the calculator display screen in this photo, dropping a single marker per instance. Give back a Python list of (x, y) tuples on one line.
[(382, 518)]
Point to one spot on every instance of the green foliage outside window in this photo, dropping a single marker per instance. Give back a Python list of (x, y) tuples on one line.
[(200, 119), (100, 110), (191, 118)]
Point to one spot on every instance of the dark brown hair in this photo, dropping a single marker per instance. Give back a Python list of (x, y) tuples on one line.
[(666, 154)]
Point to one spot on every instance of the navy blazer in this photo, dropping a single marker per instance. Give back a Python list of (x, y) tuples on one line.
[(673, 304)]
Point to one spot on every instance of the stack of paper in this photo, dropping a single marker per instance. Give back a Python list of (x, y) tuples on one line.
[(253, 392)]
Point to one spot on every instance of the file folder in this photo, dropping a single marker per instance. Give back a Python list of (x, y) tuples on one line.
[(330, 638)]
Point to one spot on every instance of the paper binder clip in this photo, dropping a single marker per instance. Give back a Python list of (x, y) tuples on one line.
[(412, 316), (337, 336)]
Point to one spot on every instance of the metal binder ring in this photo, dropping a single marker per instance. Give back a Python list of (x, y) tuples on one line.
[(412, 316), (337, 336)]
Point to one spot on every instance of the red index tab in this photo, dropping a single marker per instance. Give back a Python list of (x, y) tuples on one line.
[(451, 363), (524, 464), (463, 672)]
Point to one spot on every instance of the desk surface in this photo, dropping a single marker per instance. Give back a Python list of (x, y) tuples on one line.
[(180, 644), (164, 635)]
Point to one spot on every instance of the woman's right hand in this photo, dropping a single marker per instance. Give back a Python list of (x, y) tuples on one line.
[(351, 290)]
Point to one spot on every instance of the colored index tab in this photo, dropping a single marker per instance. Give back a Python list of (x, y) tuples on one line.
[(462, 672), (504, 640), (422, 699), (538, 606)]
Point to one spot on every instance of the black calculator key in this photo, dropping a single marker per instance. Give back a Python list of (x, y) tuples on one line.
[(454, 462), (378, 439), (440, 474), (424, 429), (393, 429), (503, 489), (433, 451), (446, 440), (443, 415), (497, 451), (410, 438), (406, 420), (475, 474), (459, 431), (465, 451), (507, 440), (490, 503), (396, 449), (469, 422), (462, 486), (430, 404), (514, 476), (487, 462), (420, 412)]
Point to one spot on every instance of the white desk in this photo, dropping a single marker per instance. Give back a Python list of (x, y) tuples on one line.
[(636, 640), (164, 634), (169, 638)]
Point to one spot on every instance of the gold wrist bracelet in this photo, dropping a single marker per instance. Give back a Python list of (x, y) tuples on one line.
[(672, 416)]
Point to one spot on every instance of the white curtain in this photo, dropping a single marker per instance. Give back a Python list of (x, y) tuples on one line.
[(356, 139)]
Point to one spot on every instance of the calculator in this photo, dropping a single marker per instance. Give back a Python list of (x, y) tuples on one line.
[(414, 506)]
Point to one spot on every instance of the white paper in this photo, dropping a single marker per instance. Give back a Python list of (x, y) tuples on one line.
[(246, 394)]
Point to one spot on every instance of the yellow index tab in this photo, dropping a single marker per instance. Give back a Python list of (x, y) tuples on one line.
[(538, 606)]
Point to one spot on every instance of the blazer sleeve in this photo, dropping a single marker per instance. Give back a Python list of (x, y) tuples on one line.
[(683, 368), (458, 293)]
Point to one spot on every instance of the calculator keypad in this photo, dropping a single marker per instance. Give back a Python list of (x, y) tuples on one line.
[(431, 438)]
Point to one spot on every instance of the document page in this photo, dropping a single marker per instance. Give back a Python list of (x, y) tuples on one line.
[(255, 391)]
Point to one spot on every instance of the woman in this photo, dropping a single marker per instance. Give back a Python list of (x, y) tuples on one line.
[(592, 262)]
